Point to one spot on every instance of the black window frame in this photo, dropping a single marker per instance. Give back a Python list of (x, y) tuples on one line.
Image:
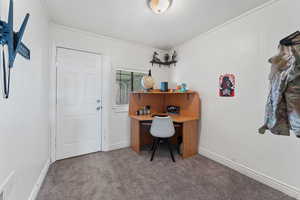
[(131, 79)]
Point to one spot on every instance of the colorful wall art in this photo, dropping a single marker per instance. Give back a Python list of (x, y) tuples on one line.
[(227, 85)]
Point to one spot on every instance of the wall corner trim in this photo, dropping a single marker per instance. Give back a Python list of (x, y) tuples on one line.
[(272, 182), (39, 181)]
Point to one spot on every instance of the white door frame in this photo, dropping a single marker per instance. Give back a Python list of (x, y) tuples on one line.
[(53, 98)]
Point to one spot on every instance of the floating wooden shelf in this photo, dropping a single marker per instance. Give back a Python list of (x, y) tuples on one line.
[(160, 92), (175, 118)]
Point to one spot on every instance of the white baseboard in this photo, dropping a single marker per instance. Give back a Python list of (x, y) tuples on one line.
[(119, 145), (7, 186), (40, 181), (276, 184)]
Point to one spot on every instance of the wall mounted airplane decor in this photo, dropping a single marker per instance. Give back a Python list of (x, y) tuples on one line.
[(12, 41)]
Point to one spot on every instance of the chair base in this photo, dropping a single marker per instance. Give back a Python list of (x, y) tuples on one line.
[(155, 146)]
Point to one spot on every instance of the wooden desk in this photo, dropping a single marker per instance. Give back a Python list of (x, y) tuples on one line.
[(188, 119)]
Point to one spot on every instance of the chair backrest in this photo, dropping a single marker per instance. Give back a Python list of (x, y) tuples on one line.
[(162, 127)]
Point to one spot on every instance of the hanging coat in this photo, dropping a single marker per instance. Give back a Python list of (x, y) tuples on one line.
[(292, 95), (283, 104)]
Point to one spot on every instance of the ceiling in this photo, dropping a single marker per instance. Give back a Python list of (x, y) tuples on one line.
[(132, 20)]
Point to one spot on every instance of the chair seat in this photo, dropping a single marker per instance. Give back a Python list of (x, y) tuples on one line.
[(162, 129)]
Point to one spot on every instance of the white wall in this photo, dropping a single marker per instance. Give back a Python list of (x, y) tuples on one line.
[(122, 54), (229, 125), (24, 123)]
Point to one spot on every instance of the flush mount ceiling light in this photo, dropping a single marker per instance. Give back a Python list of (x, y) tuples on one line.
[(159, 6)]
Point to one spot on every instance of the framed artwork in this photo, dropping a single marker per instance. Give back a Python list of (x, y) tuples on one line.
[(227, 85)]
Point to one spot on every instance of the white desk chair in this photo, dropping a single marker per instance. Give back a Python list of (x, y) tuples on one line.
[(162, 129)]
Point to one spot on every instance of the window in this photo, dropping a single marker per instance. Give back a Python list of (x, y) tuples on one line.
[(126, 82)]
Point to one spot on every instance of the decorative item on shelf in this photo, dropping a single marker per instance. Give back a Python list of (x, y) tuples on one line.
[(10, 45), (164, 86), (178, 87), (146, 110), (167, 57), (156, 57), (227, 85), (166, 62), (173, 109), (148, 82), (183, 87), (174, 57)]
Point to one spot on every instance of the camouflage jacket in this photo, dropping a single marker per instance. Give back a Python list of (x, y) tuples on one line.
[(283, 104)]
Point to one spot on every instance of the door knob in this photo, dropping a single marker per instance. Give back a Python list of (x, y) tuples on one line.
[(98, 101), (99, 107)]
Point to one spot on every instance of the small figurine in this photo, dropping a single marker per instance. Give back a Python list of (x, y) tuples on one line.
[(155, 57), (174, 56), (167, 57), (183, 87)]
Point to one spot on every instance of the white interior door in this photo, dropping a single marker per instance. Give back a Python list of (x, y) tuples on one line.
[(78, 103)]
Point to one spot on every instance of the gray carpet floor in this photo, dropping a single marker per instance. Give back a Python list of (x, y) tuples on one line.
[(125, 175)]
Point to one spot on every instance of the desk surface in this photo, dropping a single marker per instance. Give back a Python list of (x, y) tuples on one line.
[(175, 118)]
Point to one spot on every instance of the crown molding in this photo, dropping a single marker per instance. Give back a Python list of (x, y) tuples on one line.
[(105, 37)]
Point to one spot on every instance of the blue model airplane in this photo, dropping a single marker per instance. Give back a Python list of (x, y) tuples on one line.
[(13, 40)]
